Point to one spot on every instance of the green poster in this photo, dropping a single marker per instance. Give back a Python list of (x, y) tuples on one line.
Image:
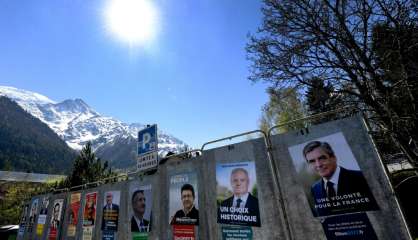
[(139, 236), (237, 233)]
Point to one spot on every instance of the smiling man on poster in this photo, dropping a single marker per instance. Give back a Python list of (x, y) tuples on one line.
[(339, 190), (242, 207), (189, 214)]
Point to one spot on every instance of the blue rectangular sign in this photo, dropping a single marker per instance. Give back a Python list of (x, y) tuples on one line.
[(147, 140)]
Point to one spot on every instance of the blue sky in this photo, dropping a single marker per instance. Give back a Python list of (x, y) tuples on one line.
[(191, 80)]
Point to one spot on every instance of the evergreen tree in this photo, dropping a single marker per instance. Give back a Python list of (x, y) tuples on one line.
[(87, 168)]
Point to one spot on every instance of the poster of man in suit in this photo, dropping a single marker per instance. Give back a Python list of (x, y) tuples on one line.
[(110, 214), (140, 206), (55, 223), (331, 176), (237, 194)]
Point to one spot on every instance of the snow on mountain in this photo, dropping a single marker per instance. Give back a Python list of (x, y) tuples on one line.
[(76, 122)]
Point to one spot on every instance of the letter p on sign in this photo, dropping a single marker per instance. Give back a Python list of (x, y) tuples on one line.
[(146, 138)]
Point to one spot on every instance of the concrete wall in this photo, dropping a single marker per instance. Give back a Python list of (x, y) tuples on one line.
[(387, 222), (286, 216)]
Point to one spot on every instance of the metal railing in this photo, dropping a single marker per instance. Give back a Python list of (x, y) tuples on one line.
[(266, 136)]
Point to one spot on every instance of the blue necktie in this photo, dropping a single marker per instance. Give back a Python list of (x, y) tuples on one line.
[(330, 189), (238, 202)]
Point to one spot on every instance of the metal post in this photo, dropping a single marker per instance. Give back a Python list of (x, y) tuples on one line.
[(386, 173)]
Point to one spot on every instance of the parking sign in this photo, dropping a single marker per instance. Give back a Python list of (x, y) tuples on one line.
[(147, 140), (147, 148)]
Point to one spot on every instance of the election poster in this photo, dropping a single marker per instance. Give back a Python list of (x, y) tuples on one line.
[(140, 210), (108, 235), (89, 215), (23, 220), (237, 198), (348, 227), (237, 233), (55, 223), (110, 214), (181, 232), (330, 176), (43, 213), (33, 214), (75, 199), (183, 195)]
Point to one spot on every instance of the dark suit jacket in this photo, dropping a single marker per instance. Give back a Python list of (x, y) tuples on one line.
[(251, 205), (115, 207), (135, 228), (192, 218), (349, 182)]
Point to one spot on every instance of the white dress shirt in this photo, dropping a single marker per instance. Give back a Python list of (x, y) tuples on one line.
[(243, 199)]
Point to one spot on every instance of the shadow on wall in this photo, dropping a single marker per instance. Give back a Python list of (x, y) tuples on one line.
[(409, 202)]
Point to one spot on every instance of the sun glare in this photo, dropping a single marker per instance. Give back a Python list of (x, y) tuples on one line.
[(132, 21)]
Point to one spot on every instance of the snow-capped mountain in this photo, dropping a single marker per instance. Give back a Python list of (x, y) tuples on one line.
[(76, 123)]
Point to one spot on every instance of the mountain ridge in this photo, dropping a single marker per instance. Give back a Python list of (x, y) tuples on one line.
[(76, 123)]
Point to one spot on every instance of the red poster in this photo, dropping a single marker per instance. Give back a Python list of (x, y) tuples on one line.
[(183, 232), (89, 216), (73, 217)]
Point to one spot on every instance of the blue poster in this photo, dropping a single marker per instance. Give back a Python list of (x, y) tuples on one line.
[(349, 227), (108, 235)]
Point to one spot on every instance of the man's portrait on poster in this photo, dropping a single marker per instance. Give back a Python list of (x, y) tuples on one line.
[(189, 213), (338, 189), (111, 211), (139, 204), (55, 220), (241, 207), (184, 199)]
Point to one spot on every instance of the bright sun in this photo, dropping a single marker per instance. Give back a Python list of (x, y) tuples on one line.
[(133, 21)]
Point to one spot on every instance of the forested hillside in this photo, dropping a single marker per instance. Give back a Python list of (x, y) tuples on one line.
[(27, 144)]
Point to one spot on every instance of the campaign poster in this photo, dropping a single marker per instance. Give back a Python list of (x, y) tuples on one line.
[(108, 235), (237, 233), (236, 196), (43, 213), (183, 195), (331, 177), (348, 227), (75, 201), (23, 220), (88, 232), (110, 214), (55, 223), (89, 215), (139, 211), (33, 214), (181, 232)]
